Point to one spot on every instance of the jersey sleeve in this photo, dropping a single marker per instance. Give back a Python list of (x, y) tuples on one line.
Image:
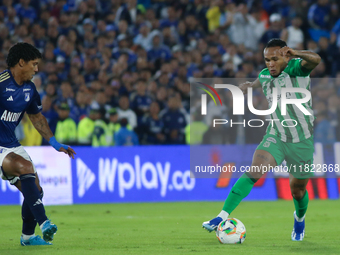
[(294, 68), (35, 106)]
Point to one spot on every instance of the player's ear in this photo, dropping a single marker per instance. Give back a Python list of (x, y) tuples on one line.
[(21, 62)]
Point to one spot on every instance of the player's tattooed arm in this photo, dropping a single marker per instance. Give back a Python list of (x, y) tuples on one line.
[(263, 157), (41, 125), (309, 59)]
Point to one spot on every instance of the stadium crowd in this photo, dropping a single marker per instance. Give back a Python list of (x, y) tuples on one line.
[(118, 72)]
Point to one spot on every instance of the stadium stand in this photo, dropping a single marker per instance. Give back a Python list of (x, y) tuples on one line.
[(135, 59)]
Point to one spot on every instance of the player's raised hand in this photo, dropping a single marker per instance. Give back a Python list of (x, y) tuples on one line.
[(69, 151), (287, 52), (244, 86)]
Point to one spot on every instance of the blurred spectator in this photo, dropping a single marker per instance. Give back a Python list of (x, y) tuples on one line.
[(125, 137), (195, 130), (140, 102), (227, 15), (153, 126), (334, 114), (174, 122), (127, 12), (143, 38), (293, 35), (214, 13), (231, 57), (325, 53), (324, 132), (125, 112), (318, 15), (335, 33), (66, 131), (158, 51), (66, 93), (80, 109), (318, 19), (216, 135), (101, 100), (244, 26), (114, 124), (24, 10), (101, 135), (96, 53), (31, 135), (86, 127), (161, 97), (274, 31), (49, 113)]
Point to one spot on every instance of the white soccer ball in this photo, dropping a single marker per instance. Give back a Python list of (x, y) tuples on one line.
[(231, 231)]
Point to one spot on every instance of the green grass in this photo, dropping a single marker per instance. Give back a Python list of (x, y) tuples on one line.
[(175, 228)]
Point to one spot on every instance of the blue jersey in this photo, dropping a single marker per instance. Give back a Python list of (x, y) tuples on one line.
[(15, 100)]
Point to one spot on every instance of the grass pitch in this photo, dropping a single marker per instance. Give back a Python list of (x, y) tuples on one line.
[(175, 228)]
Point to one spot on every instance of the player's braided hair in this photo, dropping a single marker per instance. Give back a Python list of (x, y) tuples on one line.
[(24, 51), (276, 42)]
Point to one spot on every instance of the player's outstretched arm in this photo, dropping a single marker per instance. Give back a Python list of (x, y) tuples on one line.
[(40, 123), (309, 59), (244, 86)]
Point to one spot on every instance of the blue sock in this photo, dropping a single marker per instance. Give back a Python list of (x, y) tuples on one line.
[(28, 220), (31, 195)]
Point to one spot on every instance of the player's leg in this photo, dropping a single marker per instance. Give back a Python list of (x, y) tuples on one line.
[(268, 154), (299, 161), (245, 183), (17, 166), (28, 221), (301, 199), (300, 195)]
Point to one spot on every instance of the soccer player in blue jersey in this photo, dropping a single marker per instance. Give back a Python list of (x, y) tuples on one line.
[(19, 95)]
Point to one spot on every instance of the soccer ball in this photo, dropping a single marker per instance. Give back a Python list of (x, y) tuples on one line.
[(231, 231)]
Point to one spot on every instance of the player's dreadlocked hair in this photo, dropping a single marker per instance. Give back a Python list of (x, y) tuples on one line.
[(24, 51), (276, 42)]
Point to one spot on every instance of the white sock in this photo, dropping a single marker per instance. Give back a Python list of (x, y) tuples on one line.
[(42, 224), (27, 237), (223, 214), (299, 219)]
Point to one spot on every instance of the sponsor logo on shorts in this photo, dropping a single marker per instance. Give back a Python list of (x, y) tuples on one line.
[(271, 139), (2, 150)]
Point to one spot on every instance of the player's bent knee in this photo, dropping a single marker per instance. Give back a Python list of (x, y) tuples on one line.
[(24, 167), (298, 194)]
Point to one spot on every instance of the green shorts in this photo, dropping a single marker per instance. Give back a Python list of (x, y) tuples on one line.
[(299, 156)]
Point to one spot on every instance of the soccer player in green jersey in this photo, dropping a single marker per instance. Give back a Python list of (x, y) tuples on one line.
[(286, 68)]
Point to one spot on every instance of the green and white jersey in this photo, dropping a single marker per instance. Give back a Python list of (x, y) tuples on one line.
[(293, 76)]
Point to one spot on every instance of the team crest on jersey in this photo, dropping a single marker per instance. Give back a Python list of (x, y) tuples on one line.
[(281, 81), (27, 97), (266, 144)]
